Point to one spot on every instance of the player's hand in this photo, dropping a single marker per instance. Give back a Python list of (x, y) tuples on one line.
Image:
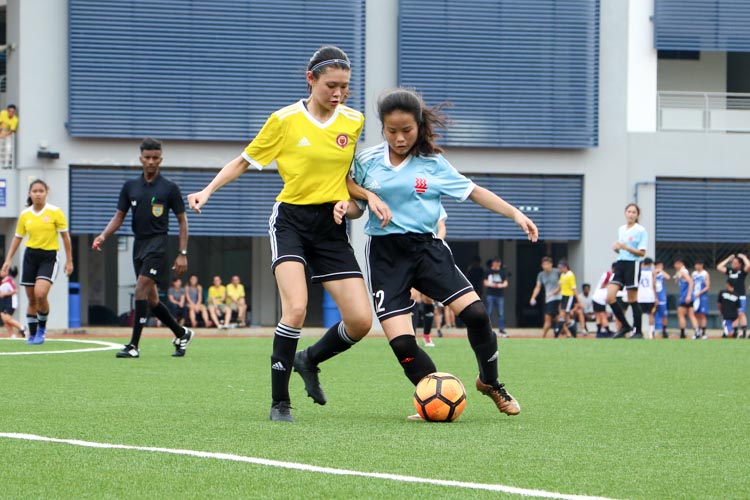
[(5, 268), (97, 244), (532, 302), (69, 268), (180, 265), (197, 200), (380, 208), (527, 225), (339, 211), (617, 245)]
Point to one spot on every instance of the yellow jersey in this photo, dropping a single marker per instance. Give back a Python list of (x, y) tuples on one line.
[(234, 292), (313, 158), (42, 227), (8, 123), (567, 284), (217, 294)]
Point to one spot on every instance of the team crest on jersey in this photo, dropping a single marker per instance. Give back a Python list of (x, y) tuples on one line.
[(157, 210), (46, 219), (420, 185), (342, 140)]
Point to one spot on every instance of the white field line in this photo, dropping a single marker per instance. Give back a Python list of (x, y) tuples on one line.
[(109, 346), (307, 468)]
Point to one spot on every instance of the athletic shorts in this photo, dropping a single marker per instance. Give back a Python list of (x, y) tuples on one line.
[(685, 301), (398, 262), (599, 308), (8, 310), (646, 307), (38, 265), (661, 312), (743, 303), (552, 308), (568, 301), (308, 234), (150, 258), (627, 273), (728, 326)]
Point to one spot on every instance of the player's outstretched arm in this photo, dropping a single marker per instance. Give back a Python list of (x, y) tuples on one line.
[(491, 201), (114, 224), (229, 173)]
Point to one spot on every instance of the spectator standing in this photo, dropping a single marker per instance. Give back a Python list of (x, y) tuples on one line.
[(701, 287), (151, 196), (236, 300), (737, 272), (194, 295), (495, 283), (685, 298), (647, 297), (549, 279), (729, 304)]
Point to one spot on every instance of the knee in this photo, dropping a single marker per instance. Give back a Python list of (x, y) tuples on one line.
[(295, 313), (358, 326), (475, 315)]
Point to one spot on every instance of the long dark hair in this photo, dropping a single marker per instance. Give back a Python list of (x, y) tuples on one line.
[(428, 119), (328, 56), (36, 181)]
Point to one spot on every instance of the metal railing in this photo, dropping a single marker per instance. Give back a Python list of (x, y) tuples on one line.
[(703, 111)]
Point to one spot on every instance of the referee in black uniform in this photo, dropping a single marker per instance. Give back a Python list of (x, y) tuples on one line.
[(151, 196)]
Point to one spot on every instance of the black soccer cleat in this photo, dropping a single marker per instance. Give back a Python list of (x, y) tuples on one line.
[(181, 343), (309, 374), (637, 335), (281, 411), (622, 332), (129, 351)]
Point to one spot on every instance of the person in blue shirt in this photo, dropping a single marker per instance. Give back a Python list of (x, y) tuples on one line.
[(701, 287), (410, 174), (685, 298), (631, 244), (660, 278)]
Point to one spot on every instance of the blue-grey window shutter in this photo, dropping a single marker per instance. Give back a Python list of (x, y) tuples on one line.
[(709, 25), (519, 73), (199, 69)]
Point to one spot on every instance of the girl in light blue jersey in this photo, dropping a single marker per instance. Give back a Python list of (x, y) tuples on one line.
[(410, 174)]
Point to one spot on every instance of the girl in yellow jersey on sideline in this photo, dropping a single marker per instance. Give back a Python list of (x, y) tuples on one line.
[(313, 142), (42, 222)]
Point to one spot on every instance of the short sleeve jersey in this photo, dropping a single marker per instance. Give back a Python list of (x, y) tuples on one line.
[(412, 190), (737, 278), (8, 123), (550, 282), (635, 237), (730, 303), (150, 203), (313, 158), (216, 292), (42, 227), (567, 284)]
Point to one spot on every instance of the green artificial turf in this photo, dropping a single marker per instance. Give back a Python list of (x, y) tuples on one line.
[(623, 419)]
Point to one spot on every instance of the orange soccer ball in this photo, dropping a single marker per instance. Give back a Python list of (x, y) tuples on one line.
[(440, 397)]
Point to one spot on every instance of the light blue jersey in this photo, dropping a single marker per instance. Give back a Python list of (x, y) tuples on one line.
[(635, 237), (412, 190)]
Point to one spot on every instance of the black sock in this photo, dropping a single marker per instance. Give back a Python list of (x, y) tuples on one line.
[(415, 362), (429, 317), (141, 317), (482, 339), (333, 342), (637, 317), (42, 318), (33, 323), (682, 332), (619, 314), (161, 312), (703, 330), (282, 359)]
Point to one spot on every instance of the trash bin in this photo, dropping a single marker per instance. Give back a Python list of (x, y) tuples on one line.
[(74, 305), (331, 314)]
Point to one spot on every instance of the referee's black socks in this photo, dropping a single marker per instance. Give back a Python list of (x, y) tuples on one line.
[(333, 342), (482, 339), (141, 317), (282, 360), (416, 363)]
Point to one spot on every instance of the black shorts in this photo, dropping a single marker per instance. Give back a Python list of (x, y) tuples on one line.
[(552, 308), (647, 307), (150, 258), (568, 301), (308, 234), (599, 308), (38, 265), (627, 273), (398, 262)]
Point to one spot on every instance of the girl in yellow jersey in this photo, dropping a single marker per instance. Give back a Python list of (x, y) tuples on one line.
[(42, 222), (313, 142)]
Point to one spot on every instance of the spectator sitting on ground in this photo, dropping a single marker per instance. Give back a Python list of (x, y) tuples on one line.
[(176, 301), (236, 301), (217, 301), (194, 295)]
